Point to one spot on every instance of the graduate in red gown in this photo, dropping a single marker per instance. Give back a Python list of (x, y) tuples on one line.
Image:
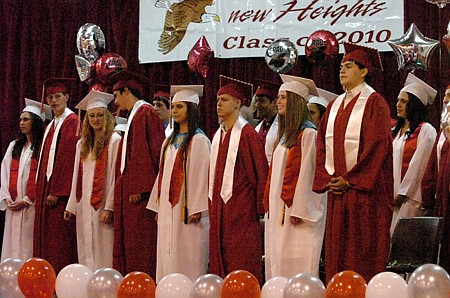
[(135, 228), (238, 172), (55, 239), (436, 181), (354, 163)]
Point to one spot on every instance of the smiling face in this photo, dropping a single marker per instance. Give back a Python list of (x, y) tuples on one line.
[(402, 104), (96, 117), (282, 102)]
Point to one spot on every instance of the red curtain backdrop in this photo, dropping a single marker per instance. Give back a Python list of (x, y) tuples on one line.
[(38, 41)]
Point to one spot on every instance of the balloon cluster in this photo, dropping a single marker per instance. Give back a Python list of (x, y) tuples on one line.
[(413, 49), (92, 62), (200, 56), (36, 278)]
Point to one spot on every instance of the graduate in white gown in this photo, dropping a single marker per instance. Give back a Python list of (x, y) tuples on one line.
[(92, 195), (180, 194), (413, 142), (18, 182), (296, 215)]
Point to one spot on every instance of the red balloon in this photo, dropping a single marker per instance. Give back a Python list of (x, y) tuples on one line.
[(137, 285), (107, 65), (98, 87), (37, 278), (200, 56), (321, 47), (346, 284), (240, 283)]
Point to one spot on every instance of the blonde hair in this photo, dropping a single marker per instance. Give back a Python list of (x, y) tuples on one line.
[(291, 123), (89, 143)]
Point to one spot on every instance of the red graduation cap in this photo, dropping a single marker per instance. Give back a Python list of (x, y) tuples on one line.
[(129, 79), (54, 85), (267, 88), (161, 91), (236, 88), (369, 57)]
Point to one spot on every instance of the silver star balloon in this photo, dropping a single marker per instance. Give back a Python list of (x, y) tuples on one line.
[(413, 49)]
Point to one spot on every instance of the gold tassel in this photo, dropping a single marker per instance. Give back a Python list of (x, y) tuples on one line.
[(283, 212)]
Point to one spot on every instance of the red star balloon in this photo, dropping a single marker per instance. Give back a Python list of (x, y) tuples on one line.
[(413, 49), (200, 57)]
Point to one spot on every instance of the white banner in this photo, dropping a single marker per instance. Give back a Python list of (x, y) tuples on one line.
[(168, 29)]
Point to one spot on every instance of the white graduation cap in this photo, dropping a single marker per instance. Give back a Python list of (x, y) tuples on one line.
[(34, 107), (121, 124), (301, 86), (324, 98), (187, 93), (95, 99), (419, 88)]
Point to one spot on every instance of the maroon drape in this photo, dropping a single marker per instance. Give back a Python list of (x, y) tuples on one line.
[(37, 40)]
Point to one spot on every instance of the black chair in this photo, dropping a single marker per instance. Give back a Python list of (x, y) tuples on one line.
[(416, 241)]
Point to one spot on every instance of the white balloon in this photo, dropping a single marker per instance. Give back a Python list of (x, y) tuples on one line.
[(429, 281), (274, 287), (386, 285), (73, 279), (174, 285), (304, 285)]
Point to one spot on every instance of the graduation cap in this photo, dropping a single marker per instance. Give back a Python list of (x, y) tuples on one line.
[(161, 91), (267, 88), (121, 124), (56, 85), (187, 93), (301, 86), (369, 57), (324, 98), (236, 88), (95, 99), (419, 88), (34, 107), (129, 79)]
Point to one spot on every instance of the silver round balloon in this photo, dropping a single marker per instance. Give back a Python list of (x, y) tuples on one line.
[(304, 285), (91, 42), (429, 281), (207, 286), (281, 55), (104, 283), (9, 286)]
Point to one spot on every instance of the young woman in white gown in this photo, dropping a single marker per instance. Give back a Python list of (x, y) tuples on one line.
[(180, 194), (18, 181), (92, 195)]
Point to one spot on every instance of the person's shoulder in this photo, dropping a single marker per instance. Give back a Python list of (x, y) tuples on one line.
[(115, 137)]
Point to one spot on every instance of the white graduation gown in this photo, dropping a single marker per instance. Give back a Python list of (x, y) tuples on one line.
[(18, 233), (294, 249), (183, 248), (94, 239), (411, 182)]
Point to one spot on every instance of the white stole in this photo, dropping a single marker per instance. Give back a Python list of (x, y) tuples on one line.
[(439, 147), (136, 106), (227, 185), (352, 133), (51, 154)]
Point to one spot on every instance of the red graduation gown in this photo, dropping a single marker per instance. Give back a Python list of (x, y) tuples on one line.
[(54, 238), (357, 224), (435, 191), (235, 233), (135, 228)]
